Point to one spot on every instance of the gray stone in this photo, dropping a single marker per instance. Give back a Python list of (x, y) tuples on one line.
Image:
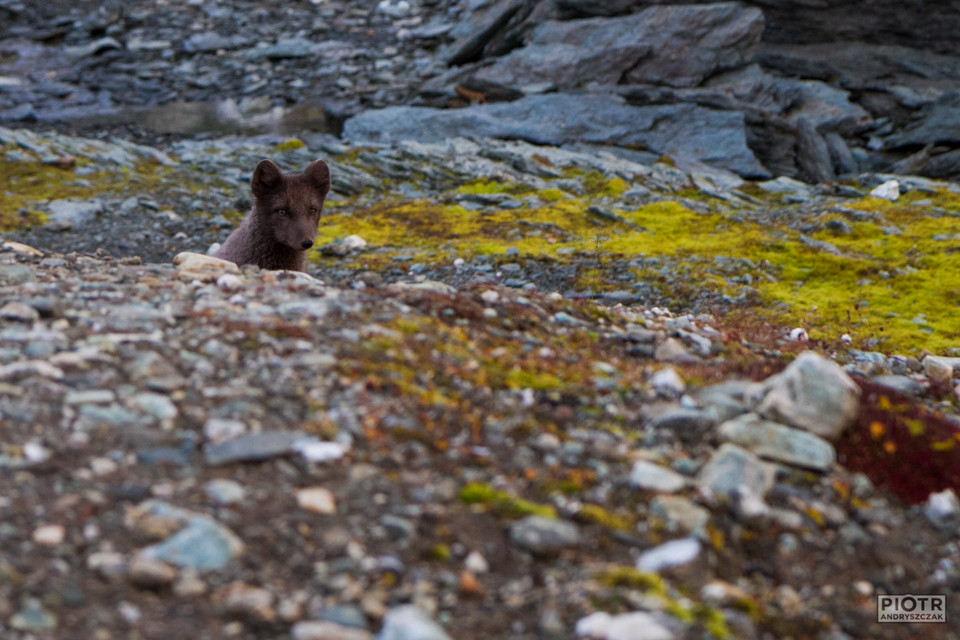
[(256, 446), (70, 213), (541, 535), (777, 442), (733, 470), (16, 274), (680, 515), (148, 573), (716, 138), (670, 554), (689, 425), (639, 625), (473, 35), (18, 312), (225, 491), (284, 48), (901, 384), (565, 66), (324, 630), (208, 41), (684, 44), (202, 543), (653, 477), (937, 123), (813, 154), (667, 382), (812, 393), (92, 48), (941, 369), (408, 622), (33, 617), (943, 509)]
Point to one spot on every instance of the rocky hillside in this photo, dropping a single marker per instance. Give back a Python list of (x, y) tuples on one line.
[(473, 405), (626, 321)]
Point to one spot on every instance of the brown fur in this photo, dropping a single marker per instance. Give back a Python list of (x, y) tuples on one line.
[(282, 225)]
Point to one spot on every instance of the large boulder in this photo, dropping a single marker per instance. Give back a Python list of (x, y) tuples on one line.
[(716, 138), (678, 46), (935, 23), (812, 393)]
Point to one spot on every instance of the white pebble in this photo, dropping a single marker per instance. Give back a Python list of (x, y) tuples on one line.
[(889, 190), (669, 554), (317, 499), (49, 535)]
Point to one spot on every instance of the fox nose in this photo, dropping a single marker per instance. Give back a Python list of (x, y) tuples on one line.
[(306, 244)]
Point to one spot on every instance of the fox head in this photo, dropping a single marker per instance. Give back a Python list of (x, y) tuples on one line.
[(290, 204)]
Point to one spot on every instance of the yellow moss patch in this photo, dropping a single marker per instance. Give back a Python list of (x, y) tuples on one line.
[(289, 145), (505, 504)]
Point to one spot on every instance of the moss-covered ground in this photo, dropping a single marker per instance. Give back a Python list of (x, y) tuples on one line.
[(883, 273)]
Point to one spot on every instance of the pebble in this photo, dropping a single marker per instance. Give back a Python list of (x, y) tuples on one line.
[(672, 350), (943, 509), (18, 312), (476, 563), (653, 477), (668, 383), (49, 535), (408, 622), (889, 190), (203, 267), (689, 425), (940, 369), (317, 500), (544, 536), (323, 630), (669, 554), (200, 543), (33, 617), (147, 573), (680, 515), (253, 603), (732, 470), (225, 491), (217, 430), (638, 625)]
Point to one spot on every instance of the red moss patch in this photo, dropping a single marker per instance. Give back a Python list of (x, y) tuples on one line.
[(901, 445)]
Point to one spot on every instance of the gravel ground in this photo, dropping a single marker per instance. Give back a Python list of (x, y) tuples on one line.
[(203, 451)]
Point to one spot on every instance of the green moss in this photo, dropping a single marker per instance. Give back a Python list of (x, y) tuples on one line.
[(632, 578), (439, 552), (553, 195), (289, 145), (518, 378), (598, 515), (503, 503), (594, 183), (25, 186), (713, 621)]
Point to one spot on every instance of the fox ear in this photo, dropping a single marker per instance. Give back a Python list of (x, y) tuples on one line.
[(318, 174), (266, 178)]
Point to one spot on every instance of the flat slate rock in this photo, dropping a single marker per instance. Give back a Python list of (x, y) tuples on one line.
[(717, 138), (256, 446), (777, 442)]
